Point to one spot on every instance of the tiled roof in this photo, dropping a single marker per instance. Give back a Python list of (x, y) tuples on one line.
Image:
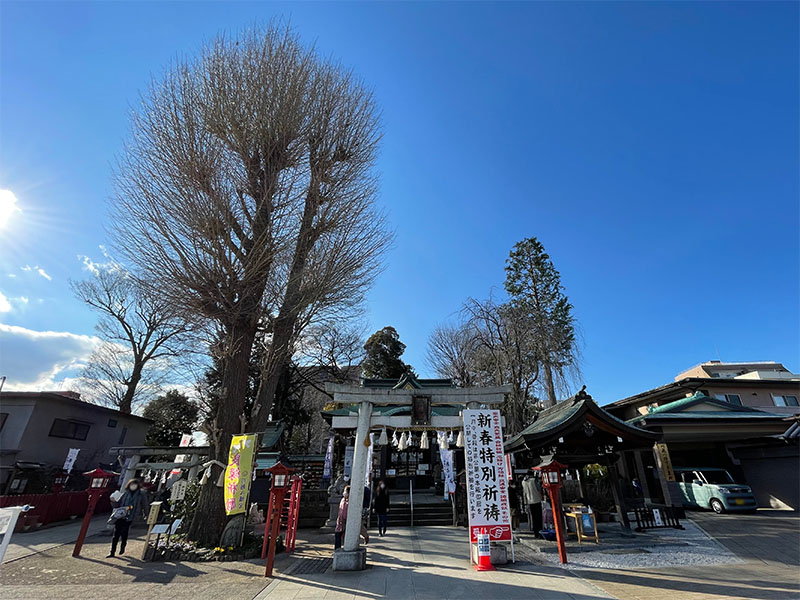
[(554, 422)]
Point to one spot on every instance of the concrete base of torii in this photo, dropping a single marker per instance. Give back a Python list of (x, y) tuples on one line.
[(350, 560)]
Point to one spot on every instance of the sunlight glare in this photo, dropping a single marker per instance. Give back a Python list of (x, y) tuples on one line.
[(8, 206)]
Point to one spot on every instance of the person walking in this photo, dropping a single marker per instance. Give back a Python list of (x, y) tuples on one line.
[(341, 520), (382, 507), (125, 511)]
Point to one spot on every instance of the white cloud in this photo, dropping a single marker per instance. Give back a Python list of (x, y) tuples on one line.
[(109, 266), (37, 269), (12, 275), (7, 304), (40, 360)]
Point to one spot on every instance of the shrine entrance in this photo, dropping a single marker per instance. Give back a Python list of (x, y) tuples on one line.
[(421, 414)]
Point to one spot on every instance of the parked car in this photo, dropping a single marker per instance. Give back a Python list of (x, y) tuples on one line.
[(714, 489)]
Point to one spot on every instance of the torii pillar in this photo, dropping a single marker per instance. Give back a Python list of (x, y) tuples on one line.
[(352, 557)]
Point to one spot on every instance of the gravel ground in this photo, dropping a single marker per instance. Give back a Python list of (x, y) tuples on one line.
[(669, 548)]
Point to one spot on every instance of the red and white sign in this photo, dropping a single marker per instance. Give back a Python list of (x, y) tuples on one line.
[(487, 485)]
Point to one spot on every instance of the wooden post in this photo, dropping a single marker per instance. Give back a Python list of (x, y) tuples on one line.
[(637, 458), (559, 525), (152, 519), (619, 499), (87, 518), (277, 506)]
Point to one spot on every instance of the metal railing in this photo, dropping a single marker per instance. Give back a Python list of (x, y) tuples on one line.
[(411, 499)]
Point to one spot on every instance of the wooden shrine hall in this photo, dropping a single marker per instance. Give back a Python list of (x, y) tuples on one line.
[(577, 432)]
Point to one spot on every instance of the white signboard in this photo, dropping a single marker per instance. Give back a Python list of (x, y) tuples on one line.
[(5, 520), (72, 455), (178, 490), (657, 517), (487, 485)]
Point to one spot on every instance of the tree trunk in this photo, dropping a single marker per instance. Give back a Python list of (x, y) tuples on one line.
[(127, 400), (283, 331), (210, 517), (551, 391)]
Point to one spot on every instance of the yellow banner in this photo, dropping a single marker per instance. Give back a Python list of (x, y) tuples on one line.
[(239, 473), (666, 461)]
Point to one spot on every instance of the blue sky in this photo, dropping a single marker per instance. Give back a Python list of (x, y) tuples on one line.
[(652, 148)]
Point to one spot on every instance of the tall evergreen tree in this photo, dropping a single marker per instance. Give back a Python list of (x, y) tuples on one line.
[(173, 414), (383, 351), (535, 293)]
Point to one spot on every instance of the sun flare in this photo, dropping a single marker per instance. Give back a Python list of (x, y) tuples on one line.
[(8, 206)]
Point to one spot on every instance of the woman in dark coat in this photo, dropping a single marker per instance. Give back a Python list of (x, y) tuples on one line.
[(131, 500), (381, 504)]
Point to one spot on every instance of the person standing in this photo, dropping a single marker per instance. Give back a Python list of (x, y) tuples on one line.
[(533, 502), (128, 507), (341, 520), (382, 507)]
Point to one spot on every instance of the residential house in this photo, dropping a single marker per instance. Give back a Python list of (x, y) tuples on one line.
[(38, 429), (729, 415)]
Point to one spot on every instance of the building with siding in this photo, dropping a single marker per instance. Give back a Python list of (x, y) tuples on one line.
[(37, 430)]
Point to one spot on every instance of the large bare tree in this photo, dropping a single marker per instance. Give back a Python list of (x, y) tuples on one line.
[(489, 344), (247, 193), (140, 332)]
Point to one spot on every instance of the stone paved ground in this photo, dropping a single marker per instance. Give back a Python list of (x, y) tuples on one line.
[(54, 573), (422, 563), (768, 544), (409, 564)]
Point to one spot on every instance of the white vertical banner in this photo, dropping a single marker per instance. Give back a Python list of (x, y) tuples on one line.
[(326, 469), (446, 456), (368, 475), (72, 456), (348, 461), (487, 486)]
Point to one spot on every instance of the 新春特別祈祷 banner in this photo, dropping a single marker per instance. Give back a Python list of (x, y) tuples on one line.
[(239, 473), (487, 485)]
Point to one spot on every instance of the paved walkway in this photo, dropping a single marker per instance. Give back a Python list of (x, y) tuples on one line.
[(422, 563), (54, 573), (27, 544), (768, 544)]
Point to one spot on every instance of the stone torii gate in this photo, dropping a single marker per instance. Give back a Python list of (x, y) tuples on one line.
[(352, 557)]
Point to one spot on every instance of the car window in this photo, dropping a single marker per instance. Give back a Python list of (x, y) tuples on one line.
[(717, 477)]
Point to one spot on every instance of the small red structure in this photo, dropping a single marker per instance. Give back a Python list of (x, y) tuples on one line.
[(294, 512), (272, 522), (551, 481), (59, 481), (99, 482)]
